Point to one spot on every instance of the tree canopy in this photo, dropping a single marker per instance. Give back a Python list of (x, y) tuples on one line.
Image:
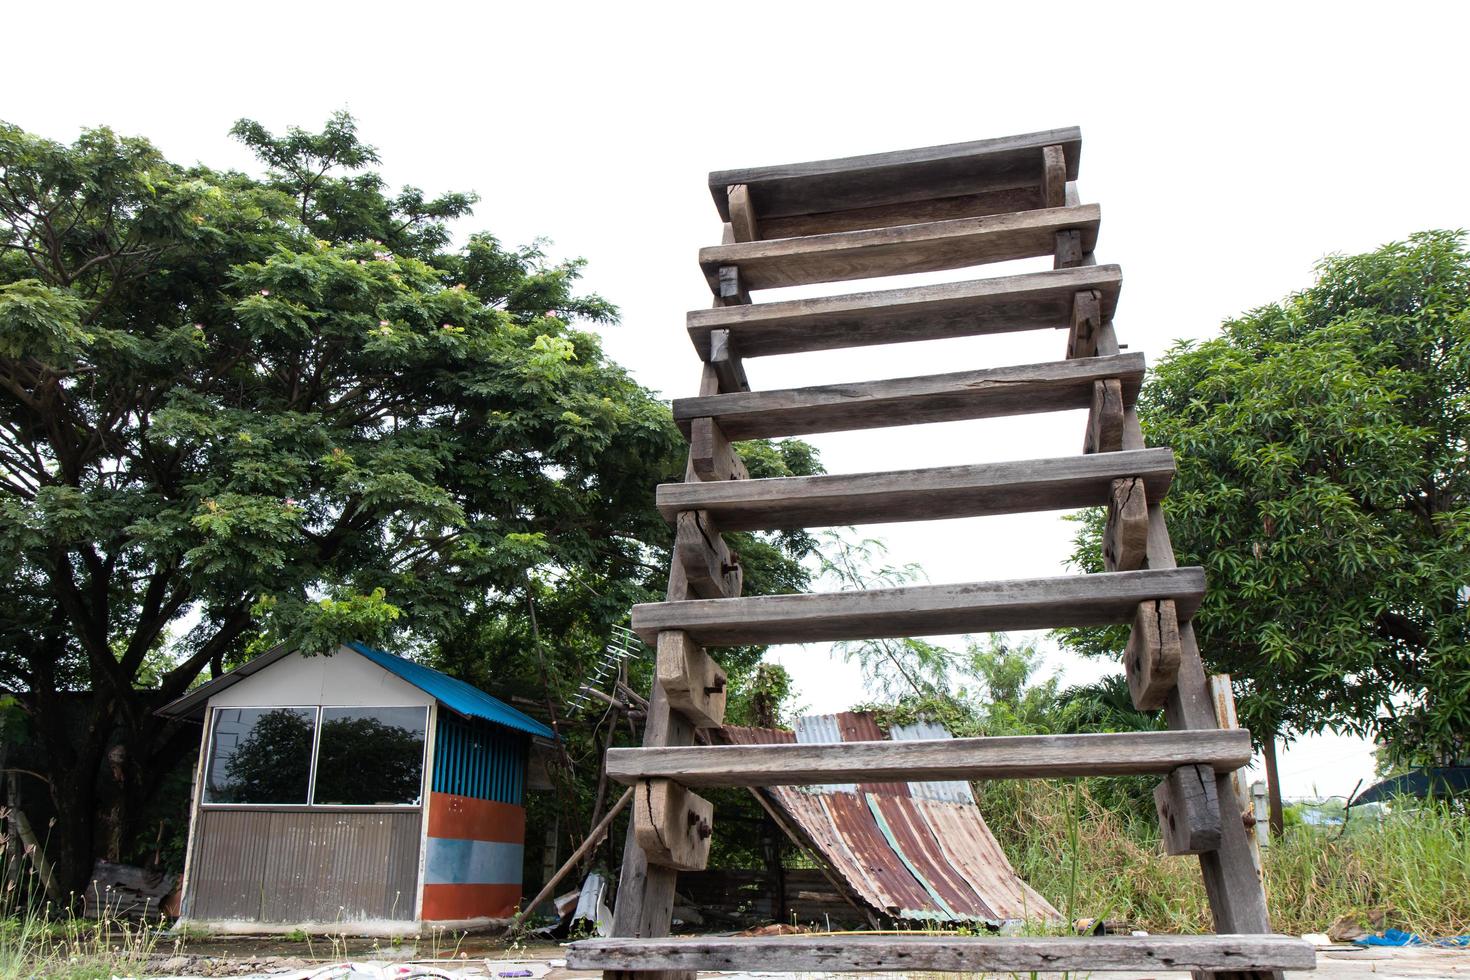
[(1324, 484), (236, 411)]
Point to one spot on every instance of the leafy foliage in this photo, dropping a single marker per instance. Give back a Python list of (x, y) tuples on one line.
[(1324, 483), (236, 412)]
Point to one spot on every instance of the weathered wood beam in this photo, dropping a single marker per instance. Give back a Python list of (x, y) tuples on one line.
[(712, 570), (1053, 177), (1032, 301), (1152, 656), (946, 954), (672, 825), (1125, 538), (742, 213), (729, 368), (1189, 810), (922, 610), (1005, 757), (710, 453), (695, 684), (1105, 418), (989, 393), (1023, 486), (930, 247), (1087, 317)]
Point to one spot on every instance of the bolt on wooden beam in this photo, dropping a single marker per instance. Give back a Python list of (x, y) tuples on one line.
[(672, 825), (696, 686), (1189, 810)]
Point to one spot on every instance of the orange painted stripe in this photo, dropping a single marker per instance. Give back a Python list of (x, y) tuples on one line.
[(466, 818), (449, 902)]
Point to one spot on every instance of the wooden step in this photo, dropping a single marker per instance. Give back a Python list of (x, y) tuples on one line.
[(1023, 486), (879, 180), (1054, 386), (923, 610), (1004, 757), (928, 247), (947, 953), (1033, 301)]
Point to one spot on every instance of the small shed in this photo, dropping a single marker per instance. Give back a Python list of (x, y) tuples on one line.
[(355, 790)]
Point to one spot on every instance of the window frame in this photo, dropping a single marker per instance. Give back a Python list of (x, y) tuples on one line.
[(316, 737)]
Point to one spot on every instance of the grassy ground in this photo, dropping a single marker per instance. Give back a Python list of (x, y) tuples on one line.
[(1080, 853)]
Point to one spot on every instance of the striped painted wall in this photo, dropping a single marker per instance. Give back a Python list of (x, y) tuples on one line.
[(477, 821)]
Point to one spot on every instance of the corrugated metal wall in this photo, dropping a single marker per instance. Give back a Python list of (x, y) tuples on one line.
[(477, 825), (481, 761), (304, 866)]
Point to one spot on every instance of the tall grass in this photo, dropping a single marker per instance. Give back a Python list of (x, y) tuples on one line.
[(37, 940), (1105, 861)]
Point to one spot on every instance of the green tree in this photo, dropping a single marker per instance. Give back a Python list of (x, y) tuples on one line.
[(1324, 484), (241, 411)]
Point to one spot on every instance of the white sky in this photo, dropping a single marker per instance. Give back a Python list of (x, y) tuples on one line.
[(1230, 146)]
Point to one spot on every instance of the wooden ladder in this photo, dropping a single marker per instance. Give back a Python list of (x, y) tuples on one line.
[(937, 208)]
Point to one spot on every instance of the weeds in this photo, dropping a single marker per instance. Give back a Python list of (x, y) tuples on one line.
[(1102, 862)]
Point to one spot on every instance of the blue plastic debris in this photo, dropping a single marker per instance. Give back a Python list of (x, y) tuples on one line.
[(1397, 937)]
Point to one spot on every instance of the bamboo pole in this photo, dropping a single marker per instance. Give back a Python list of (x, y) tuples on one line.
[(592, 840)]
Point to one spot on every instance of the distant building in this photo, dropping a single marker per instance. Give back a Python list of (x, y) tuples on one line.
[(356, 790)]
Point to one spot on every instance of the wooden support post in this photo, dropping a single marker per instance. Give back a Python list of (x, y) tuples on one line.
[(1189, 810), (695, 684), (732, 292), (1125, 540), (1225, 717), (1069, 250), (742, 214), (1053, 177), (1153, 654), (712, 570), (1086, 322), (710, 453), (672, 825), (728, 366), (1105, 420)]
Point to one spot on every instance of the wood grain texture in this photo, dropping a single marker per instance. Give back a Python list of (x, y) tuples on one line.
[(696, 686), (1068, 249), (998, 201), (1087, 316), (710, 454), (1054, 386), (742, 214), (1125, 538), (1032, 301), (709, 567), (902, 175), (726, 361), (1024, 486), (923, 610), (1189, 810), (672, 825), (1151, 658), (1053, 176), (1005, 757), (1105, 418), (948, 954), (899, 250)]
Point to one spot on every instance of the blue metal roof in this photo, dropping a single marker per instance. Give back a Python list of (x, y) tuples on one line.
[(459, 696)]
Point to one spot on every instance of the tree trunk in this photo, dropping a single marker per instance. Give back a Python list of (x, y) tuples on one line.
[(1273, 788)]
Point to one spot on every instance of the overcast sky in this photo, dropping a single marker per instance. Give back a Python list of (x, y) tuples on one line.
[(1230, 146)]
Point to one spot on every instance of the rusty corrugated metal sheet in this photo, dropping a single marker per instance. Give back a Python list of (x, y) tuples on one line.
[(972, 850), (910, 851), (304, 866)]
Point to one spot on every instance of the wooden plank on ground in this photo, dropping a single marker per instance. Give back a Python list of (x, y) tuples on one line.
[(1031, 301), (946, 954), (900, 250), (1054, 386), (923, 610), (937, 493), (917, 174), (1005, 757)]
